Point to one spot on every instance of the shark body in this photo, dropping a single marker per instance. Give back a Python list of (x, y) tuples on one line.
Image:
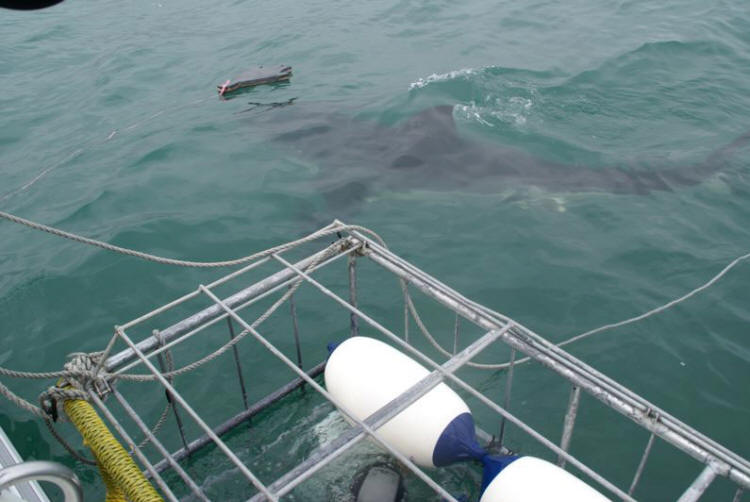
[(357, 157)]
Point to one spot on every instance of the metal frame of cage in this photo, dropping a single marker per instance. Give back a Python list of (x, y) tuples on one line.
[(355, 245)]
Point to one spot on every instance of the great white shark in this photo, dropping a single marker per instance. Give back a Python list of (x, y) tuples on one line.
[(357, 158)]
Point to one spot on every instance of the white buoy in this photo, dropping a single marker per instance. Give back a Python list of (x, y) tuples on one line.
[(530, 479), (364, 374)]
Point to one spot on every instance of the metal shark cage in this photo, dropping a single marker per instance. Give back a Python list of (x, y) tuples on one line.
[(154, 341)]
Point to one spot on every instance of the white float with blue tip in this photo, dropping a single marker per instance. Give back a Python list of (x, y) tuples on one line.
[(364, 374), (531, 479)]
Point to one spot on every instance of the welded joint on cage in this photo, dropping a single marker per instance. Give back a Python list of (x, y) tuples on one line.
[(569, 422), (700, 484)]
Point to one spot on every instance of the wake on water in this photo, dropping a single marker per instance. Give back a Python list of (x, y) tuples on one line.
[(491, 106)]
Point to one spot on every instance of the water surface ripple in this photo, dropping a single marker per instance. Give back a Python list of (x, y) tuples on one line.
[(111, 128)]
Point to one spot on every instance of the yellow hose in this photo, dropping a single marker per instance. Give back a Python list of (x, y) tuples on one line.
[(122, 477)]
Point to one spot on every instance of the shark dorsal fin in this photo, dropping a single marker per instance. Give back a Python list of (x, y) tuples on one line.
[(432, 120)]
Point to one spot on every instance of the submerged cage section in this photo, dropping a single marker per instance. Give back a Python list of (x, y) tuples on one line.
[(217, 395)]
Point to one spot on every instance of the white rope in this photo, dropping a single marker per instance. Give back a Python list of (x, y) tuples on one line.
[(21, 402), (661, 308), (86, 145), (42, 174), (327, 230)]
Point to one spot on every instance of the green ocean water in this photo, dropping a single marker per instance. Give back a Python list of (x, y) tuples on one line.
[(643, 85)]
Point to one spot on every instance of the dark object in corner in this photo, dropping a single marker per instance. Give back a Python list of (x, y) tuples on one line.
[(256, 76), (28, 4), (379, 483)]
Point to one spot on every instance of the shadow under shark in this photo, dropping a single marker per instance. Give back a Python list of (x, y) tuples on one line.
[(358, 159)]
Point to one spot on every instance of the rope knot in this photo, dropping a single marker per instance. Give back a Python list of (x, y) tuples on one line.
[(82, 361), (80, 374)]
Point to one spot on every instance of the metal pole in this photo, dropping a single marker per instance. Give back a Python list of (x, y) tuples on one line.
[(506, 402), (570, 421), (598, 385), (164, 368), (642, 464), (295, 326), (190, 411), (175, 330), (406, 322), (237, 364), (353, 321), (182, 336), (455, 334), (741, 467), (699, 485), (236, 420), (420, 388), (509, 336)]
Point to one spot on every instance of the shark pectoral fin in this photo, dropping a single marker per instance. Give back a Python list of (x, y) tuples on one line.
[(304, 132), (345, 196), (437, 119)]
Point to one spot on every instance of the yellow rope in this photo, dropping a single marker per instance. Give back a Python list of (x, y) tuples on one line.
[(120, 474), (114, 494)]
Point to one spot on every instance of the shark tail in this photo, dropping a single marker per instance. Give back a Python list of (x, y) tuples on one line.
[(720, 155), (715, 162)]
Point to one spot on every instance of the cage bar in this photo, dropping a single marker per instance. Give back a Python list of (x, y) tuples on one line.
[(497, 328)]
